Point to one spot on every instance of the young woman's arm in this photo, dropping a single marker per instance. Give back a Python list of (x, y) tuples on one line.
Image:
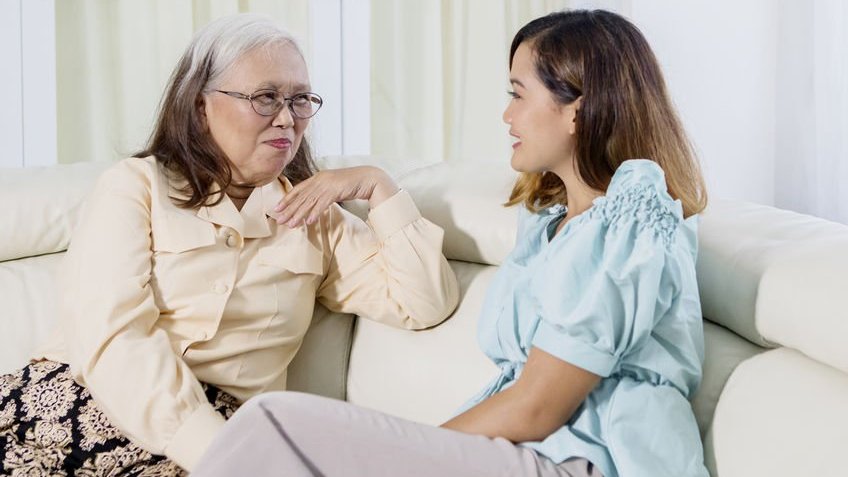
[(543, 398)]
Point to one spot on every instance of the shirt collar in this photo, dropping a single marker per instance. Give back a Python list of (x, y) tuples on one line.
[(252, 220)]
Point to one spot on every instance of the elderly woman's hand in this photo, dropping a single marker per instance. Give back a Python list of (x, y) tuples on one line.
[(307, 200)]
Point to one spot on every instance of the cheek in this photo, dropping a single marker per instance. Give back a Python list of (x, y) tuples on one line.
[(299, 131), (234, 133)]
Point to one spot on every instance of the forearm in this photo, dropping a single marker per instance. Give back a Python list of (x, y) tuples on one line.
[(545, 396), (509, 415), (394, 271)]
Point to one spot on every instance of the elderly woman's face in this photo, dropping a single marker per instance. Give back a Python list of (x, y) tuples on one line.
[(258, 147)]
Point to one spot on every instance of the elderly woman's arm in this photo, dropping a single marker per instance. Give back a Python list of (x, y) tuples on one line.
[(309, 199), (109, 319), (391, 269)]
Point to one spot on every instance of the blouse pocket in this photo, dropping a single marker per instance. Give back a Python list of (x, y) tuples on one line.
[(294, 276), (309, 261), (180, 233), (183, 259)]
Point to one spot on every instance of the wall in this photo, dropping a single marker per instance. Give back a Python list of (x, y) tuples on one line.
[(27, 83), (720, 63)]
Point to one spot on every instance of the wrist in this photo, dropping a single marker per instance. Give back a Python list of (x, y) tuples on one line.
[(383, 188)]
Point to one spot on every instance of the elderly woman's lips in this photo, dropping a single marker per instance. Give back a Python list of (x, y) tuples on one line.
[(279, 143)]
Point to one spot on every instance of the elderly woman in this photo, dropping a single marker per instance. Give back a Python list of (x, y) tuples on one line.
[(191, 278)]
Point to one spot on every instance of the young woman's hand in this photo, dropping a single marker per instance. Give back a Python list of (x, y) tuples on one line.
[(307, 200)]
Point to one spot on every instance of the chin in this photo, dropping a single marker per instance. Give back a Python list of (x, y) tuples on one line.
[(517, 164)]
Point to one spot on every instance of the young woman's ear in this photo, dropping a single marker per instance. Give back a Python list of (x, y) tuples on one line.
[(578, 103), (575, 107)]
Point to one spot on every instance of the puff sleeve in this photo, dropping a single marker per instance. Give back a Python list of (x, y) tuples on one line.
[(603, 300)]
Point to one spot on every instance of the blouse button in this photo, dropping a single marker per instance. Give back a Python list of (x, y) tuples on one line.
[(231, 240)]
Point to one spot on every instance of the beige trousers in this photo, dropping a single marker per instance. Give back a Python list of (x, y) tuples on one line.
[(295, 434)]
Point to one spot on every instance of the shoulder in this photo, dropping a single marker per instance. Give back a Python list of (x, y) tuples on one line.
[(637, 198), (129, 172)]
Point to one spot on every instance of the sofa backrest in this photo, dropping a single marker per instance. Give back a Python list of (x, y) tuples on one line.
[(777, 278), (40, 207), (772, 276)]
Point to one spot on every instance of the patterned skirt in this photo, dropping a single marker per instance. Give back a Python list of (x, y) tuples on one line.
[(50, 426)]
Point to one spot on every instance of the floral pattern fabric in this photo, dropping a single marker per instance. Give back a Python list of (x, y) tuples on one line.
[(51, 426)]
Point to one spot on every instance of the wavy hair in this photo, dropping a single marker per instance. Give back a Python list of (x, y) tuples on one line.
[(626, 112)]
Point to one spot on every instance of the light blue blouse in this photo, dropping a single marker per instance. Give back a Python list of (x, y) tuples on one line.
[(613, 293)]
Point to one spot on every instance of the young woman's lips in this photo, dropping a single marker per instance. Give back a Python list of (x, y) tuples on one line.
[(279, 143), (516, 144)]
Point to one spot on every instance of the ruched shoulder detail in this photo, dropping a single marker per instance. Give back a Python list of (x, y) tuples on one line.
[(638, 196)]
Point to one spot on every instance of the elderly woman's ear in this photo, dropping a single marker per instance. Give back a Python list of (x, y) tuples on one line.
[(200, 105)]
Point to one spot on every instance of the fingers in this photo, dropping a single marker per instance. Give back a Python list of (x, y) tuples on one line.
[(304, 204), (309, 199)]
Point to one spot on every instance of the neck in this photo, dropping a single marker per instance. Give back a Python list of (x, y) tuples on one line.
[(239, 193), (578, 194), (580, 200)]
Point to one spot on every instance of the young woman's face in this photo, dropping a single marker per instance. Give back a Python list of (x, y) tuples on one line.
[(543, 129), (258, 147)]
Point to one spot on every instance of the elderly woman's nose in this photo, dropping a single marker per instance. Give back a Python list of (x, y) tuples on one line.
[(284, 117)]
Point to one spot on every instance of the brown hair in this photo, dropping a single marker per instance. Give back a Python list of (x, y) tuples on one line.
[(625, 113), (179, 140)]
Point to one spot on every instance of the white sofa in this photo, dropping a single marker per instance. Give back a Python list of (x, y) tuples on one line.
[(774, 400)]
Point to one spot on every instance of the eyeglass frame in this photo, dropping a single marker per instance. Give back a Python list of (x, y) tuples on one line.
[(290, 100)]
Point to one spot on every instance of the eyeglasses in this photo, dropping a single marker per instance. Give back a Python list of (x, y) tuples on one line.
[(268, 102)]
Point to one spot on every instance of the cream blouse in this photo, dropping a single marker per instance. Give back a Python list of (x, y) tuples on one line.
[(157, 298)]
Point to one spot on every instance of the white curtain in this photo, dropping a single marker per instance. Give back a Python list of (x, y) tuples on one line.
[(811, 173), (439, 76), (114, 59)]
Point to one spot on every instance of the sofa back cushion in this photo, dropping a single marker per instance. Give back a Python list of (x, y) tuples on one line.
[(28, 291), (776, 277), (41, 206), (463, 198)]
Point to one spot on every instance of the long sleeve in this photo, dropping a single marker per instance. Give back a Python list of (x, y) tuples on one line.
[(392, 269), (109, 316)]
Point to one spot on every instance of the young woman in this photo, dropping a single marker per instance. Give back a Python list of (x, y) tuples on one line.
[(594, 318)]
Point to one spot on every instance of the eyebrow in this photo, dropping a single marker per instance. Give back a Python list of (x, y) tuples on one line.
[(298, 87), (515, 81)]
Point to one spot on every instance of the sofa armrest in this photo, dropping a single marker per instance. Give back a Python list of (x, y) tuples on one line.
[(321, 364)]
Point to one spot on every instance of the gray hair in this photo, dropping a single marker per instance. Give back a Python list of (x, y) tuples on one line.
[(180, 141), (218, 45)]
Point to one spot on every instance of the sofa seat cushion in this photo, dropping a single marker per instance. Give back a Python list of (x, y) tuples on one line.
[(426, 375), (781, 414)]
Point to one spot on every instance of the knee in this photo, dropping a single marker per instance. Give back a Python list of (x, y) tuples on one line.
[(281, 404)]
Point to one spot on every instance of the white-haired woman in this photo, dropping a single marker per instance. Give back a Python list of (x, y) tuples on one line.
[(190, 283)]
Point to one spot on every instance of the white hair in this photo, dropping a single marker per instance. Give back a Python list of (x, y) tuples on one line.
[(218, 45)]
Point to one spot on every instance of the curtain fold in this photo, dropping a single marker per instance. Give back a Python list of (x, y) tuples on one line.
[(439, 76), (811, 164), (114, 59)]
